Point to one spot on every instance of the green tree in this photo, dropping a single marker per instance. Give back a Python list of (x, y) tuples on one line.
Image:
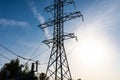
[(13, 71), (42, 76), (10, 69)]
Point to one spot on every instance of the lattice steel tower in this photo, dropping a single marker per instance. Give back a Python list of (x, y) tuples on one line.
[(58, 68)]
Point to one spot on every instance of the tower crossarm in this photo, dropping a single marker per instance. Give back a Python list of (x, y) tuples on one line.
[(69, 16), (66, 17), (69, 36), (65, 2), (47, 42), (65, 37), (46, 24)]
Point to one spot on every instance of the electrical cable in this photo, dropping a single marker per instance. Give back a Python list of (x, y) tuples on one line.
[(77, 41), (72, 49), (41, 53), (43, 63), (34, 52), (15, 41), (37, 56), (26, 52), (4, 56), (48, 49), (15, 53), (1, 64)]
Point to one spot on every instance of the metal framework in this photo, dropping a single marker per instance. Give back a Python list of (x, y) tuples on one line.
[(58, 67)]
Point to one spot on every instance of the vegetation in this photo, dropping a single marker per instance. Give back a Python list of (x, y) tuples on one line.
[(13, 71), (42, 76)]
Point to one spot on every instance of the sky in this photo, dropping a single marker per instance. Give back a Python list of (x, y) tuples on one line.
[(94, 57)]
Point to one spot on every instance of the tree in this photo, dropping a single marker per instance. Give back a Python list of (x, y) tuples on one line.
[(10, 70), (42, 76), (79, 79), (13, 71)]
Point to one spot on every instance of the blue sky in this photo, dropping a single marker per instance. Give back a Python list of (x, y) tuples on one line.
[(99, 35)]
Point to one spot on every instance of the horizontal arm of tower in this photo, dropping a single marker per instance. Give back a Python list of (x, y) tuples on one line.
[(65, 37), (47, 42), (46, 24), (70, 16), (69, 36), (66, 17), (65, 2)]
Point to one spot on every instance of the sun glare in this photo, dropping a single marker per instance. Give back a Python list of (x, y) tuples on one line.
[(93, 56), (94, 51)]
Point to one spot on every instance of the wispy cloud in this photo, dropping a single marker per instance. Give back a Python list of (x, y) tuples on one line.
[(9, 22), (39, 17)]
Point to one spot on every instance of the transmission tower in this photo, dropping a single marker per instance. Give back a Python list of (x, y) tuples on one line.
[(58, 67)]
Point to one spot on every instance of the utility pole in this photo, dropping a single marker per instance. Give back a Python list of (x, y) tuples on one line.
[(58, 67)]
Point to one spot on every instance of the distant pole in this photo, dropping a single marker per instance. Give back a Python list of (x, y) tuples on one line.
[(32, 67), (36, 66), (58, 67)]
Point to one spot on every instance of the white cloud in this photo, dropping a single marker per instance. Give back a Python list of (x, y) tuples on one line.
[(40, 18), (9, 22)]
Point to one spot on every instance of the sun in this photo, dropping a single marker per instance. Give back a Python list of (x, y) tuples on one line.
[(93, 51), (93, 57)]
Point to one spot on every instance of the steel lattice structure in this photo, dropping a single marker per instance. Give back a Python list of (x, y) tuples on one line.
[(58, 67)]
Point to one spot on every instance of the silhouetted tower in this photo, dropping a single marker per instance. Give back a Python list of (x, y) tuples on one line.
[(58, 68)]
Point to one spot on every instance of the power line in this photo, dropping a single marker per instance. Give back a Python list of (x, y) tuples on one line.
[(41, 53), (15, 53), (43, 63), (4, 56), (26, 52), (37, 55), (1, 65), (72, 49), (36, 50)]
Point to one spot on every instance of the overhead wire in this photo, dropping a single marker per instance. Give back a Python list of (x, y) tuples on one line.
[(15, 41), (72, 49), (43, 63), (41, 53), (85, 29), (48, 49), (26, 52), (12, 51), (15, 53), (38, 56), (7, 48), (34, 52), (4, 56), (1, 64)]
